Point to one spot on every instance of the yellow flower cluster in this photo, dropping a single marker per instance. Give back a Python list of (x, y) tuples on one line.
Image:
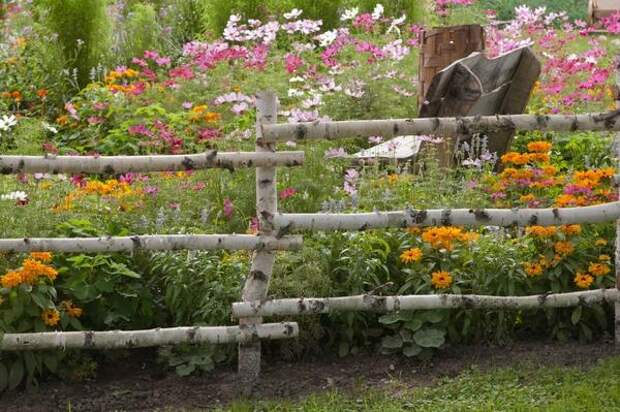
[(541, 231), (201, 113), (521, 159), (33, 268), (111, 187), (411, 255), (71, 309), (443, 237), (539, 146), (441, 279), (50, 317), (583, 280)]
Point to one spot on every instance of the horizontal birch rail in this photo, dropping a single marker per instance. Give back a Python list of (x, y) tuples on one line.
[(150, 242), (372, 303), (143, 164), (435, 217), (444, 126), (118, 339)]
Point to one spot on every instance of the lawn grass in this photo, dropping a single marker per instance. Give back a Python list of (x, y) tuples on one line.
[(523, 388)]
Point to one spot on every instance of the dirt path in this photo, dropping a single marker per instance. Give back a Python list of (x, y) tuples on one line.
[(134, 386)]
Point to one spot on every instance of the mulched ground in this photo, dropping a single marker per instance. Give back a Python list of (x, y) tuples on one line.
[(137, 386)]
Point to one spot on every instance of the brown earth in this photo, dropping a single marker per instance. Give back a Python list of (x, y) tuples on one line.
[(137, 385)]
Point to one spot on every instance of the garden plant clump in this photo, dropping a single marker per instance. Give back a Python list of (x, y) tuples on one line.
[(186, 84)]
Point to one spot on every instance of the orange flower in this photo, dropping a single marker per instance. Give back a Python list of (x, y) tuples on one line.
[(600, 242), (212, 117), (71, 309), (42, 93), (564, 247), (527, 198), (583, 280), (32, 269), (50, 317), (539, 146), (414, 230), (11, 279), (604, 258), (44, 257), (571, 230), (541, 231), (533, 269), (441, 279), (599, 269), (411, 255)]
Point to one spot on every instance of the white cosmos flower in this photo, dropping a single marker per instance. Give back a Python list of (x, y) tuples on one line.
[(293, 14), (350, 14), (6, 122), (19, 195), (377, 12), (50, 128)]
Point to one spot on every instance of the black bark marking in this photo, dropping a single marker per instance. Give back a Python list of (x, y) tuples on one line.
[(137, 243), (258, 275), (468, 303), (300, 132), (265, 182), (533, 220), (89, 338), (211, 156), (6, 170), (288, 329), (556, 214), (481, 214), (363, 227), (542, 299), (191, 334), (228, 165), (419, 216), (188, 163), (284, 230), (21, 165), (302, 306), (542, 120), (108, 170), (445, 217), (317, 306), (573, 125), (395, 129)]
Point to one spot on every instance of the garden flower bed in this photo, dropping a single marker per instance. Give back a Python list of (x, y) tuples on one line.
[(199, 96)]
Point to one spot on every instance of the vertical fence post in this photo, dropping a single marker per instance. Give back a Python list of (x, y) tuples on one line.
[(257, 282), (617, 257)]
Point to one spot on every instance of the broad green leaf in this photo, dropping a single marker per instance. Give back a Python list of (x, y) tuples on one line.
[(343, 349), (185, 369), (392, 342), (389, 319), (429, 337), (412, 350), (576, 315), (414, 324), (16, 374)]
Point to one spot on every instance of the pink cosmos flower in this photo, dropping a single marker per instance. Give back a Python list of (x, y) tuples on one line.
[(228, 208), (286, 193)]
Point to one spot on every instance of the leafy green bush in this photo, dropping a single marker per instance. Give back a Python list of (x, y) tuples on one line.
[(83, 32)]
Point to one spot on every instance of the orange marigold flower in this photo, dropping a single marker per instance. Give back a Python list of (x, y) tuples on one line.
[(42, 93), (11, 279), (71, 309), (32, 269), (549, 170), (599, 269), (533, 269), (441, 279), (414, 230), (527, 198), (604, 257), (583, 280), (392, 178), (539, 146), (537, 157), (564, 247), (600, 242), (50, 317), (212, 117), (571, 230), (411, 255), (44, 257), (541, 231)]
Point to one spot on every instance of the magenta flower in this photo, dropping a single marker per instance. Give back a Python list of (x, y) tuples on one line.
[(228, 208), (286, 193), (292, 62)]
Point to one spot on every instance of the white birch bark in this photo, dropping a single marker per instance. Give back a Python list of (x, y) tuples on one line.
[(441, 217), (617, 257), (150, 242), (371, 303), (117, 339), (446, 126), (257, 282), (142, 164)]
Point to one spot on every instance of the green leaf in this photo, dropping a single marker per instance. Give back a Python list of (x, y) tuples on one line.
[(4, 377), (392, 342), (430, 337), (16, 374), (414, 324), (42, 301), (432, 316), (576, 315), (390, 318), (343, 349), (51, 362), (412, 350), (185, 369), (407, 335)]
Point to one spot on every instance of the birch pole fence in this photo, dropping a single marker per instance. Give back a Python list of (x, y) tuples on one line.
[(617, 257), (264, 244)]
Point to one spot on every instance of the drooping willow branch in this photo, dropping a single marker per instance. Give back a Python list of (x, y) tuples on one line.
[(150, 242), (372, 303), (143, 164), (117, 339), (447, 126), (436, 217)]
